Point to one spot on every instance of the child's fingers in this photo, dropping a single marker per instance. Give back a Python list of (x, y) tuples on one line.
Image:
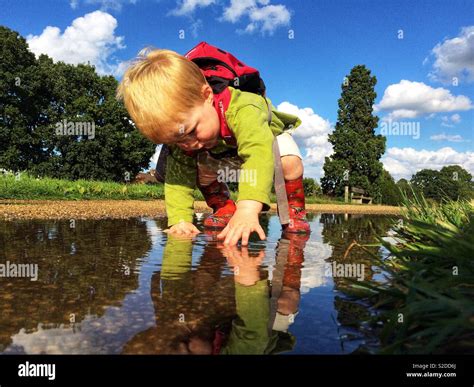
[(238, 235), (229, 253), (223, 233), (228, 236), (231, 236), (245, 237), (260, 232), (244, 252), (193, 230)]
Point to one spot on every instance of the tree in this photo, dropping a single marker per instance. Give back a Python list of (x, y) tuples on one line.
[(427, 182), (21, 102), (405, 188), (389, 191), (357, 150), (311, 187), (45, 115), (461, 185), (452, 182)]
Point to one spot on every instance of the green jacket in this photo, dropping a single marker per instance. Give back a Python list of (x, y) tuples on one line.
[(249, 333), (247, 118)]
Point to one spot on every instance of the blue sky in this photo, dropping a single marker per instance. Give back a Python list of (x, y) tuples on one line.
[(422, 53)]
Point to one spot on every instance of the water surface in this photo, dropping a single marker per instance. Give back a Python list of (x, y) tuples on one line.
[(124, 286)]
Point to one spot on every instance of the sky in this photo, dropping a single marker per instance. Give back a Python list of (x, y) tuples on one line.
[(421, 52)]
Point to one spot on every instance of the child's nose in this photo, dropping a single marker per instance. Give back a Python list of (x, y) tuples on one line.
[(194, 146)]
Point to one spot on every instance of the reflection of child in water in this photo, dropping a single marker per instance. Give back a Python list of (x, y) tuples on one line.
[(249, 333), (188, 301), (215, 329)]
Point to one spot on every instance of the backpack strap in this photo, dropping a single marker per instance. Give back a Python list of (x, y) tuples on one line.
[(279, 181), (221, 104)]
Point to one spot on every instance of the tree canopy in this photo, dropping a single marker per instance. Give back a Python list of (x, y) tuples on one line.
[(45, 109), (451, 182), (357, 149)]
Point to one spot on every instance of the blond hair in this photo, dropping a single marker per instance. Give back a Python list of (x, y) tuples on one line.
[(158, 89)]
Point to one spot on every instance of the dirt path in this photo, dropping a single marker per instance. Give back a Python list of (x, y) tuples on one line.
[(118, 209)]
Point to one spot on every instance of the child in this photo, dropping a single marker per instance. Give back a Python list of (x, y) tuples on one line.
[(171, 102)]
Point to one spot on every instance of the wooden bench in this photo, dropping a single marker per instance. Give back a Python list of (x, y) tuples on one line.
[(358, 196)]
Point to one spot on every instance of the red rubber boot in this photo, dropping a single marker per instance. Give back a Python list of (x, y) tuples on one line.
[(296, 203), (217, 197)]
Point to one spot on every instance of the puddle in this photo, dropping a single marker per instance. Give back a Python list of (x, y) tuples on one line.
[(124, 286)]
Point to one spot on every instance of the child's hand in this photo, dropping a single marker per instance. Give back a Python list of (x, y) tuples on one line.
[(183, 228), (245, 268), (243, 223)]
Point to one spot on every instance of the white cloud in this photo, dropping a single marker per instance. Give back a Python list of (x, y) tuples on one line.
[(113, 5), (195, 26), (262, 16), (187, 7), (454, 57), (90, 38), (311, 136), (456, 118), (449, 122), (447, 137), (404, 162), (446, 125), (268, 18), (239, 8), (409, 99)]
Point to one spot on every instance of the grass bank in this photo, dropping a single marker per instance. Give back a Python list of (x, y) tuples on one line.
[(29, 188), (26, 187), (427, 303)]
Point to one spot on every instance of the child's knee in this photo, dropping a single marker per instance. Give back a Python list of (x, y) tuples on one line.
[(290, 156), (292, 167)]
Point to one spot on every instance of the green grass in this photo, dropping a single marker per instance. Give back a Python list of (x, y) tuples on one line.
[(427, 305), (26, 187), (312, 199), (30, 188)]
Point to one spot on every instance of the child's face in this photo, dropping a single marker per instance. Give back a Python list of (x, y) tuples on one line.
[(201, 128)]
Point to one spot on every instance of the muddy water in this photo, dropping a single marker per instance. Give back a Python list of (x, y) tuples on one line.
[(124, 286)]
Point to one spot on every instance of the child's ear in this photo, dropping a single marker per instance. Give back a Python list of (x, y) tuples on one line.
[(207, 92)]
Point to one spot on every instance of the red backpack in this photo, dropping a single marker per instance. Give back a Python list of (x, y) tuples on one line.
[(222, 69)]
